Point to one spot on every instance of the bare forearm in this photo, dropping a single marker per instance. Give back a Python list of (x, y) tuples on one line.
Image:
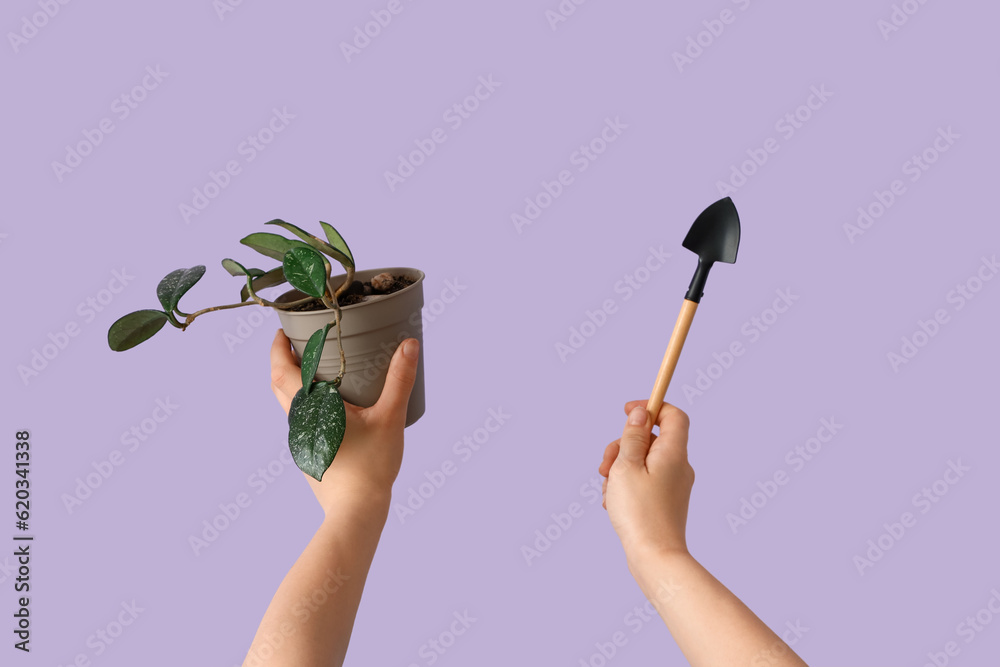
[(710, 624), (309, 621)]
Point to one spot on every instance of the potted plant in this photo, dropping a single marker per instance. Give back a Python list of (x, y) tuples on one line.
[(369, 312)]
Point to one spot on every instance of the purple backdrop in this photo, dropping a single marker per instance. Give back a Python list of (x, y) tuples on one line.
[(840, 378)]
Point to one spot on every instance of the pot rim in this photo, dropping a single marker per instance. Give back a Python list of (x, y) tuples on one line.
[(294, 313)]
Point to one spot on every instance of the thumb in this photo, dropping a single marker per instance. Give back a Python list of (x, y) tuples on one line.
[(635, 438), (399, 378)]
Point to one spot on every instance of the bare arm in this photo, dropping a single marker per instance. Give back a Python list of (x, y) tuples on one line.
[(710, 624), (310, 618), (646, 495)]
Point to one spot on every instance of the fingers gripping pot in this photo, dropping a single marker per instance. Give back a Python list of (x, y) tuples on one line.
[(370, 333)]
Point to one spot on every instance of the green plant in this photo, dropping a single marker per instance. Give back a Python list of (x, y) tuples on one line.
[(317, 418)]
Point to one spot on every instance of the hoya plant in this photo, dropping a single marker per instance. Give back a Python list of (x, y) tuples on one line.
[(317, 418)]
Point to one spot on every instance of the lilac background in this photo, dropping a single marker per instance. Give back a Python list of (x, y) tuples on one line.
[(495, 345)]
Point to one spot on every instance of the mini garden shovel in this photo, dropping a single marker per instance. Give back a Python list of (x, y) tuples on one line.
[(714, 237)]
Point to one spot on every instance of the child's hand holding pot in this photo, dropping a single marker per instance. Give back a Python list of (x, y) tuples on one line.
[(370, 456)]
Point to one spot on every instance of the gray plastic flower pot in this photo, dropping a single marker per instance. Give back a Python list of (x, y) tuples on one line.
[(371, 332)]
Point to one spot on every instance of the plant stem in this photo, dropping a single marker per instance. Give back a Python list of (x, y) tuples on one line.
[(258, 301), (271, 304), (190, 318), (348, 281), (288, 305), (335, 306), (173, 321)]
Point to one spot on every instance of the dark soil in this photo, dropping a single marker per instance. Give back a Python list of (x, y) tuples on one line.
[(357, 293)]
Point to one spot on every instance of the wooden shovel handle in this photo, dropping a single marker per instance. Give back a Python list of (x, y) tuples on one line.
[(670, 358)]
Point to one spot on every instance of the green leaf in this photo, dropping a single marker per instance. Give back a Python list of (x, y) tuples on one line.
[(317, 420), (237, 269), (305, 270), (134, 328), (269, 279), (337, 241), (175, 284), (311, 355), (322, 246), (272, 245)]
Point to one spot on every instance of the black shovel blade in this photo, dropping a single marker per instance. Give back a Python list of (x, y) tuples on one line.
[(715, 235)]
